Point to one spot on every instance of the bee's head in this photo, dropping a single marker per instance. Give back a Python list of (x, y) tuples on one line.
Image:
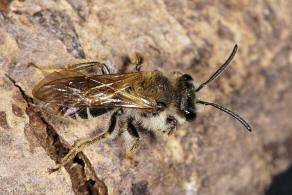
[(185, 92), (186, 95)]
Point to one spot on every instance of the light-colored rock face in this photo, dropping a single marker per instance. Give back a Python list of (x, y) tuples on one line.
[(212, 155)]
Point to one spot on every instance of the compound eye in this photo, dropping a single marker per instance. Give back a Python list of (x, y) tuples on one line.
[(187, 77), (190, 116)]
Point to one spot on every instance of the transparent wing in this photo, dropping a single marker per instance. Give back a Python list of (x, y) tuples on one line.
[(68, 89)]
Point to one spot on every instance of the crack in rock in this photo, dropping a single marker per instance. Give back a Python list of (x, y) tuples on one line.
[(82, 174)]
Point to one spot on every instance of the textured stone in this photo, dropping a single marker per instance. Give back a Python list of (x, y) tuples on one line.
[(213, 155)]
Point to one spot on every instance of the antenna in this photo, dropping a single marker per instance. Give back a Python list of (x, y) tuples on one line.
[(214, 75), (219, 69), (236, 116)]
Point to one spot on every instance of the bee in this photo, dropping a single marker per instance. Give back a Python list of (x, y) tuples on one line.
[(150, 100)]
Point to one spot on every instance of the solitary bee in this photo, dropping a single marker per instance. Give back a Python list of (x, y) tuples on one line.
[(143, 99)]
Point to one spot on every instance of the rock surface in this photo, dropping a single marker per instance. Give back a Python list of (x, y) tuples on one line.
[(213, 155)]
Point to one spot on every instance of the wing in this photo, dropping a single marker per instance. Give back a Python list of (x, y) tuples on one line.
[(74, 90)]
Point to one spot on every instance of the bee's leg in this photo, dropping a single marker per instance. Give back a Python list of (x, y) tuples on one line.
[(46, 69), (138, 68), (104, 69), (74, 67), (87, 65), (82, 144), (134, 147), (136, 59), (170, 125)]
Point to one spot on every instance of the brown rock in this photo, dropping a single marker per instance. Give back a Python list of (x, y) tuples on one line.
[(213, 155)]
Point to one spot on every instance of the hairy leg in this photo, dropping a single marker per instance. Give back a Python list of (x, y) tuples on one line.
[(136, 59), (74, 67), (131, 129), (82, 144)]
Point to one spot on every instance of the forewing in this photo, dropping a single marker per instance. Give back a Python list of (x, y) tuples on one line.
[(74, 90)]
